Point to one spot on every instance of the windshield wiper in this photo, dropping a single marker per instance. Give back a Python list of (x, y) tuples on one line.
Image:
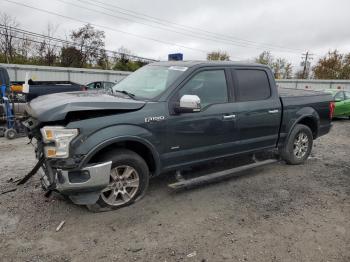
[(126, 93)]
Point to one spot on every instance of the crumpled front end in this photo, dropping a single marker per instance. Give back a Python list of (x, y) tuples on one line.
[(63, 172)]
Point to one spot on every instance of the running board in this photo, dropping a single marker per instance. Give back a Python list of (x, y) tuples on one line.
[(218, 175)]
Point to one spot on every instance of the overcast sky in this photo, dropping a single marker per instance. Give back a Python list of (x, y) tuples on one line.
[(243, 28)]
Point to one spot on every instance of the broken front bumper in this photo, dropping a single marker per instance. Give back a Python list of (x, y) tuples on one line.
[(89, 179)]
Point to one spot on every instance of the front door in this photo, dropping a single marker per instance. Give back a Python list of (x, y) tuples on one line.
[(208, 133)]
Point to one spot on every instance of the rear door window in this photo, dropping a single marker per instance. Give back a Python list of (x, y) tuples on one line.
[(253, 85)]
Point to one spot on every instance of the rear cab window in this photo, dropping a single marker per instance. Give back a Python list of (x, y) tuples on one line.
[(252, 85)]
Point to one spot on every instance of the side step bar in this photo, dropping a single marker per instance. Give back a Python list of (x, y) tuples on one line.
[(218, 175)]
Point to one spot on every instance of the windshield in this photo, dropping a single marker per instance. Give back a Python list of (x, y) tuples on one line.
[(149, 81)]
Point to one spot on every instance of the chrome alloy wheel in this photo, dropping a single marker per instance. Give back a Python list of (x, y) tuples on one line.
[(123, 185), (301, 145)]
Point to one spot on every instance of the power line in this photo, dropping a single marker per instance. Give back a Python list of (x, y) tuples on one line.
[(195, 35), (106, 27), (215, 40), (66, 43), (238, 41), (19, 30), (60, 46)]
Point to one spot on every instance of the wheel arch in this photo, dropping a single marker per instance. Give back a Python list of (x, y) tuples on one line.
[(307, 116), (310, 122), (138, 145)]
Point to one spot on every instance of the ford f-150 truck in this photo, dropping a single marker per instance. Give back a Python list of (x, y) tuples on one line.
[(101, 149)]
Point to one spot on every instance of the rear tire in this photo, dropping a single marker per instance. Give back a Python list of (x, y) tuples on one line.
[(128, 180), (298, 146)]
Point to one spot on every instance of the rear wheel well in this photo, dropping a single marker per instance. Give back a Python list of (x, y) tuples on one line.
[(311, 123), (137, 147)]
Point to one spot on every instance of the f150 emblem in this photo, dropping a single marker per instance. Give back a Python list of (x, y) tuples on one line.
[(154, 119)]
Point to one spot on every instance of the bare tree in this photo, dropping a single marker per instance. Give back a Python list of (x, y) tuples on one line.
[(265, 58), (103, 60), (24, 48), (89, 41), (280, 66), (282, 69), (288, 71), (8, 36), (47, 49)]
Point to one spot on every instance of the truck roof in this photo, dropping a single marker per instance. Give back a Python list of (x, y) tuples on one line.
[(192, 63)]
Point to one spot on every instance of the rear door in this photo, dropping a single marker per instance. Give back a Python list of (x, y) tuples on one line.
[(259, 108)]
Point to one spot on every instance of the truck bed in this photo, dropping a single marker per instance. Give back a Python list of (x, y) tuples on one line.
[(288, 92), (297, 102), (292, 97)]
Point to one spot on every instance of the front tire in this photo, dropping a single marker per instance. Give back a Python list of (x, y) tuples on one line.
[(298, 146), (128, 180)]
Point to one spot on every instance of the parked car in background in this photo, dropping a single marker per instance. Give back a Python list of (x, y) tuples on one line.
[(40, 88), (342, 102), (100, 85)]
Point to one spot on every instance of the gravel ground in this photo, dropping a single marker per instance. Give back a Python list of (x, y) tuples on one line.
[(273, 213)]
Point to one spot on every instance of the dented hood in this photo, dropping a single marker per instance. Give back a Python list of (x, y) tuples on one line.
[(55, 107)]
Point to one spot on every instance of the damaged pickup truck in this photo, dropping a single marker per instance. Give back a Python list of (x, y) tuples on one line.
[(101, 149)]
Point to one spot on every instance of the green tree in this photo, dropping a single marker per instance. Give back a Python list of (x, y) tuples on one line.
[(70, 57), (123, 62), (333, 66), (218, 56), (346, 67)]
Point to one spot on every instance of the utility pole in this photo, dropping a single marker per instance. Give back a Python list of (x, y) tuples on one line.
[(305, 62)]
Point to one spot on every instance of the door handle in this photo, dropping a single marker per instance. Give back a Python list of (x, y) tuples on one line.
[(226, 117), (275, 111)]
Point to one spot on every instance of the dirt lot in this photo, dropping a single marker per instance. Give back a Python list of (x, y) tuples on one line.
[(274, 213)]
